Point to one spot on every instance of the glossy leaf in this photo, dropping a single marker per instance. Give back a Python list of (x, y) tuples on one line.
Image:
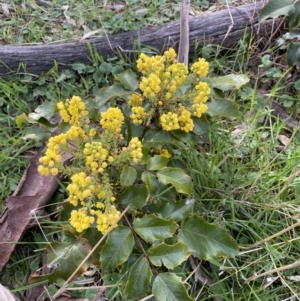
[(151, 182), (229, 82), (169, 287), (151, 228), (158, 139), (157, 162), (139, 279), (116, 90), (170, 256), (176, 210), (128, 176), (64, 258), (201, 126), (37, 134), (176, 177), (136, 196), (293, 53), (128, 79), (294, 18), (223, 107), (208, 241), (117, 248), (276, 8), (45, 110)]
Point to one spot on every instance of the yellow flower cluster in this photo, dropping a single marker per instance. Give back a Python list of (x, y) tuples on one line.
[(150, 85), (80, 188), (135, 100), (198, 109), (200, 67), (95, 156), (169, 88), (185, 122), (112, 120), (135, 148), (80, 221), (52, 158), (106, 219), (72, 111), (169, 121), (138, 114), (203, 91)]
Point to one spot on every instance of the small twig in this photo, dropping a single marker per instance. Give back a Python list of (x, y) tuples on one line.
[(184, 40), (283, 268), (64, 286), (44, 3), (230, 26)]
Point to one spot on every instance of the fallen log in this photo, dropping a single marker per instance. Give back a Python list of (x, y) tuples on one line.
[(223, 27)]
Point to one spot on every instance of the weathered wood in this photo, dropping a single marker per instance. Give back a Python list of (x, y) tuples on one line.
[(211, 27)]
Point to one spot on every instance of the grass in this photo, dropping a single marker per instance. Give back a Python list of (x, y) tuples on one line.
[(245, 178)]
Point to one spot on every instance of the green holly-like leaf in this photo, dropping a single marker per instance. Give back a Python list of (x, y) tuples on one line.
[(45, 110), (152, 228), (139, 279), (276, 8), (116, 90), (157, 162), (229, 82), (223, 107), (37, 134), (169, 287), (128, 176), (135, 196), (64, 258), (293, 53), (128, 79), (117, 248), (158, 139), (176, 210), (170, 256), (151, 182), (208, 241), (176, 177)]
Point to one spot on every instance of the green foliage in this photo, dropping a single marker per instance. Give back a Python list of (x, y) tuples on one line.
[(291, 9), (169, 287)]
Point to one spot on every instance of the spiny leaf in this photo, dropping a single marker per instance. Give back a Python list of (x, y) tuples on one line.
[(293, 53), (139, 279), (134, 196), (229, 82), (208, 241), (151, 228), (64, 258), (177, 177), (276, 8), (116, 90), (169, 287), (176, 210), (45, 110), (117, 248), (158, 139), (170, 256), (223, 107), (128, 176), (157, 162), (128, 79)]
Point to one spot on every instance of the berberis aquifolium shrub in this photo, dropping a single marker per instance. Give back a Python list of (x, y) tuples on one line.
[(130, 159)]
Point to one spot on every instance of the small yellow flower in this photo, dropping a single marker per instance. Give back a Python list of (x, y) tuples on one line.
[(112, 119), (200, 67)]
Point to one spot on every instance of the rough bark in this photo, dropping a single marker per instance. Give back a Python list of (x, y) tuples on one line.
[(211, 27)]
